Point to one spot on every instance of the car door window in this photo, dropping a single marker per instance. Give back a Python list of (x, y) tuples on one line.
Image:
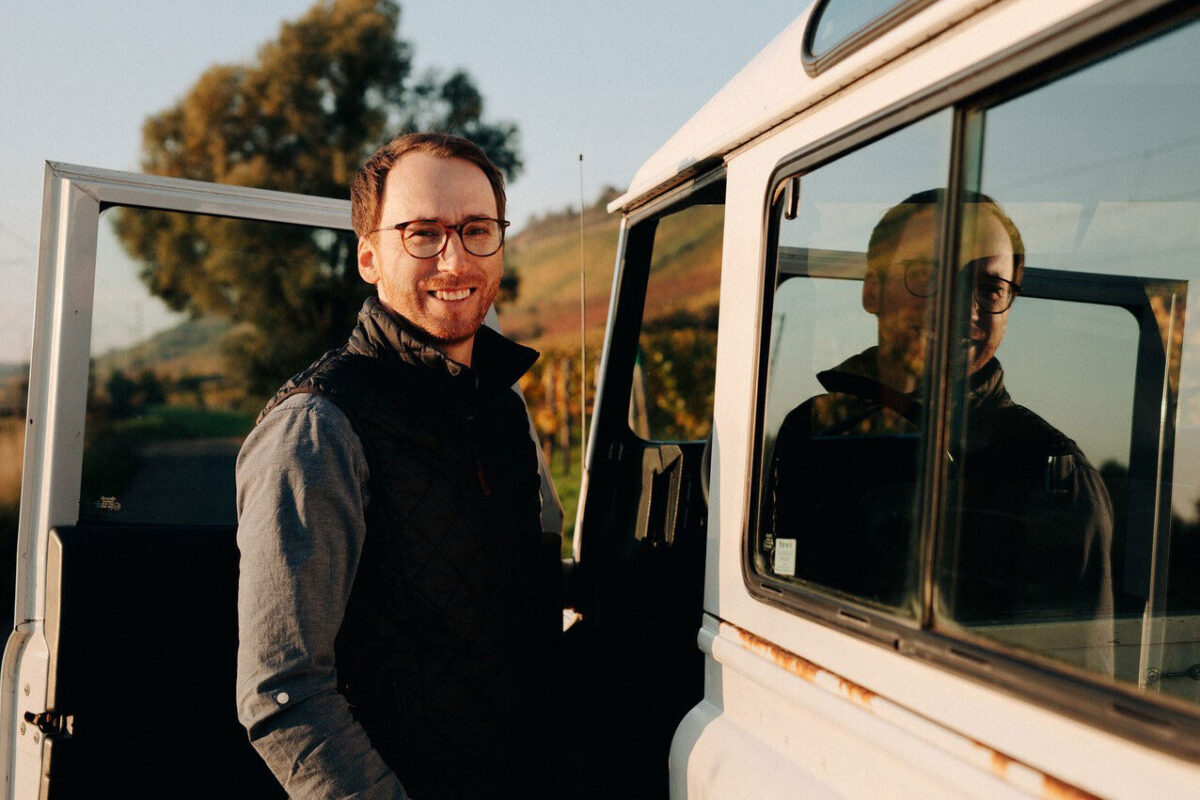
[(1088, 556), (171, 394), (843, 432), (675, 370)]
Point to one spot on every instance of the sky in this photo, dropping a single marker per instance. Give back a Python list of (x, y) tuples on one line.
[(611, 81)]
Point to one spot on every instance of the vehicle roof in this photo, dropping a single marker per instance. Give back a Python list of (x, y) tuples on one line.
[(773, 88)]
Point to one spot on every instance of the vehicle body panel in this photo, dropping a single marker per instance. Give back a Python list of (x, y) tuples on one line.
[(757, 654)]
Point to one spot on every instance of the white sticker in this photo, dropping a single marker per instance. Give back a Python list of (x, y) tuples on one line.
[(785, 557)]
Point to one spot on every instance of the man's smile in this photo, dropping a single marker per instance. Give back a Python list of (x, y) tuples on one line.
[(451, 295)]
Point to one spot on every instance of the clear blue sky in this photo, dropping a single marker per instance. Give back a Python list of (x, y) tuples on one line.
[(609, 80)]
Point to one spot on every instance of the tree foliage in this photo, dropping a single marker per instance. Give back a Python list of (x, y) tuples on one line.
[(312, 106), (680, 370)]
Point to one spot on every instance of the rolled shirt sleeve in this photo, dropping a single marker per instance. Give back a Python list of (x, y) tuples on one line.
[(301, 495)]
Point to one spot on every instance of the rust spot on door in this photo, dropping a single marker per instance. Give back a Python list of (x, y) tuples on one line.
[(804, 668), (1000, 764), (1054, 789), (784, 658), (858, 694)]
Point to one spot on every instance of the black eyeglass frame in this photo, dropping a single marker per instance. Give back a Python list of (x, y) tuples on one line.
[(400, 226), (908, 286)]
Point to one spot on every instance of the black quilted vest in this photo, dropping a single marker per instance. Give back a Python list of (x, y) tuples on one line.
[(443, 651), (1034, 522)]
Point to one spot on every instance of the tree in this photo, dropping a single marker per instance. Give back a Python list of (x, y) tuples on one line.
[(121, 391), (314, 104), (150, 391)]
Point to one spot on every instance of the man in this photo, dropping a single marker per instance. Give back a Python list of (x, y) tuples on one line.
[(395, 606), (1032, 527)]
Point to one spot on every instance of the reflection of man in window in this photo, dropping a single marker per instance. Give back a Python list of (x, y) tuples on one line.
[(1034, 524)]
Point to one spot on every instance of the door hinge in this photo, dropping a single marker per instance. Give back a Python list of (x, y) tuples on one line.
[(51, 723)]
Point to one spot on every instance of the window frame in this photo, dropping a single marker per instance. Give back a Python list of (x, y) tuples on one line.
[(862, 618), (610, 436), (74, 197), (1160, 721), (638, 240)]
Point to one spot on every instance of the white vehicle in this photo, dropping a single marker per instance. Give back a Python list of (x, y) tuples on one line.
[(869, 679)]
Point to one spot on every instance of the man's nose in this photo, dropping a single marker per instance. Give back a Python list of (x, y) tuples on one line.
[(454, 255), (977, 317)]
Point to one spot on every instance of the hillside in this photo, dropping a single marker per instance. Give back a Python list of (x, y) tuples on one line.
[(184, 349), (546, 255)]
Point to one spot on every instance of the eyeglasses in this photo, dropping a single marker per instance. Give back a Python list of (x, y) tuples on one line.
[(993, 294), (427, 238)]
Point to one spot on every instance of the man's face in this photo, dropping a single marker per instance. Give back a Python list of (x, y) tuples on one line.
[(447, 296), (987, 251), (903, 304), (903, 316)]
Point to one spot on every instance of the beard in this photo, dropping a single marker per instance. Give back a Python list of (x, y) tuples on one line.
[(443, 322)]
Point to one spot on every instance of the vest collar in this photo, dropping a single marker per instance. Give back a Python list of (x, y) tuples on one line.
[(859, 376), (380, 333)]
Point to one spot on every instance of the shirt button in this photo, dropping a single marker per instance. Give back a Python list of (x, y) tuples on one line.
[(282, 698)]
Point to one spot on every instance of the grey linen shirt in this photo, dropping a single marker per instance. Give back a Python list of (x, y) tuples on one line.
[(301, 495)]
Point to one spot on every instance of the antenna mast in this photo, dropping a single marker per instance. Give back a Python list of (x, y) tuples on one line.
[(582, 335)]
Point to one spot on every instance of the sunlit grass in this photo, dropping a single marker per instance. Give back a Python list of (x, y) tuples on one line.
[(183, 422), (566, 483)]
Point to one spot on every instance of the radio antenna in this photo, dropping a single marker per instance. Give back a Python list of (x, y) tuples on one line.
[(582, 335)]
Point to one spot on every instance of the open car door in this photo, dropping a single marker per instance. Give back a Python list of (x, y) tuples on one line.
[(118, 678), (641, 535)]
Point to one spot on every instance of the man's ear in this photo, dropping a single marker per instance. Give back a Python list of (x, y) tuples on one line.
[(366, 261), (870, 292)]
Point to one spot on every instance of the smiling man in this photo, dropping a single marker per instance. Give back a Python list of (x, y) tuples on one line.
[(439, 276), (397, 609)]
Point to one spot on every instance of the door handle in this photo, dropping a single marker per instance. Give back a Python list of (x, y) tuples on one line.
[(658, 503)]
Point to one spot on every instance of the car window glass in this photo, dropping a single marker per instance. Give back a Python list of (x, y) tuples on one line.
[(848, 333), (172, 394), (1073, 532), (839, 27), (674, 374)]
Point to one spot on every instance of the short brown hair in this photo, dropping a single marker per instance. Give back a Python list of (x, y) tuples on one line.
[(366, 194), (886, 234)]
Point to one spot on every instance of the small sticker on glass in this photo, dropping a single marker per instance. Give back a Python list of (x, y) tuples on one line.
[(785, 557)]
